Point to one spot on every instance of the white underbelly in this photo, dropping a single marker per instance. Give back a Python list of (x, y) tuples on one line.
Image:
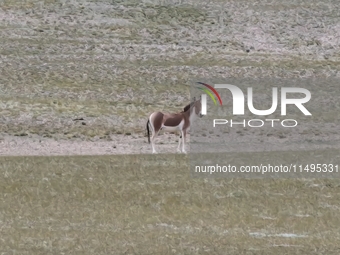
[(173, 129), (170, 129)]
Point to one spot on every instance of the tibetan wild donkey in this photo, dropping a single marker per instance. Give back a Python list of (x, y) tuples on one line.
[(174, 122)]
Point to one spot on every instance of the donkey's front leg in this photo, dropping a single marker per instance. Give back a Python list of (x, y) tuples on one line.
[(153, 142), (184, 133)]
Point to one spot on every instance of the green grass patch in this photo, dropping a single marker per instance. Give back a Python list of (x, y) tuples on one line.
[(149, 204)]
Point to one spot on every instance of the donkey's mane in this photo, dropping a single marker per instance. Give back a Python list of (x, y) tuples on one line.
[(188, 106)]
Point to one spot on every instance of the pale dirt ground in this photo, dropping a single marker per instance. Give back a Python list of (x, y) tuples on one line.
[(120, 144), (235, 141)]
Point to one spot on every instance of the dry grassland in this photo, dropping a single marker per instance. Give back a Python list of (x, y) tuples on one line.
[(113, 62), (146, 204), (93, 70)]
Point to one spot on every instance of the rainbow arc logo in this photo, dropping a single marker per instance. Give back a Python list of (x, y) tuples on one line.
[(208, 89)]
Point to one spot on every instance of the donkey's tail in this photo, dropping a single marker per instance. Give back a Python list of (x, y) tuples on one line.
[(148, 129)]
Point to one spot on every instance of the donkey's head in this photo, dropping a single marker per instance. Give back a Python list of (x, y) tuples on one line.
[(198, 107), (195, 107)]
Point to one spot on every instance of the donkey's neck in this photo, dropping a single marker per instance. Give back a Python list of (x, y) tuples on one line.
[(193, 116), (190, 113)]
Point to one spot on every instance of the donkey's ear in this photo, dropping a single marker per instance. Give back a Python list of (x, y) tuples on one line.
[(194, 99)]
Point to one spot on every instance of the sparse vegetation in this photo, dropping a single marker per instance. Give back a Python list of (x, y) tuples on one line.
[(147, 204), (93, 70), (111, 61)]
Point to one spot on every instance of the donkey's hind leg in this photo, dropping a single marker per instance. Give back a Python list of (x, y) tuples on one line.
[(179, 142)]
